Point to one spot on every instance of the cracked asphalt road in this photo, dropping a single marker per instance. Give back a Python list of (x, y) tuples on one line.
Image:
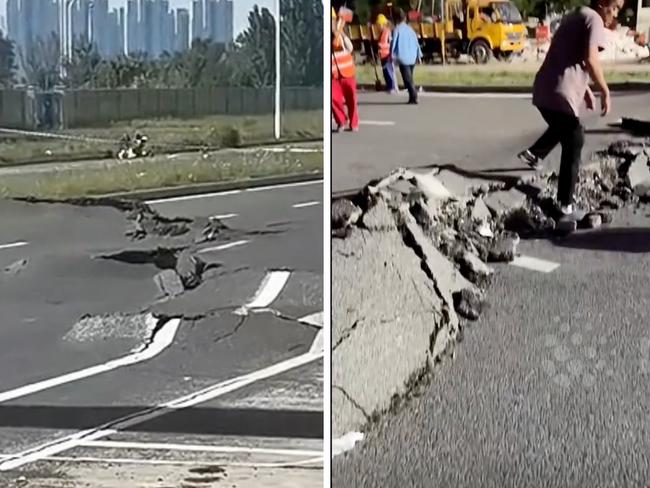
[(53, 277), (443, 129), (549, 387)]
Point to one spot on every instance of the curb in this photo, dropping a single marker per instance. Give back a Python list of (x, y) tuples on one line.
[(106, 157), (200, 188), (517, 90)]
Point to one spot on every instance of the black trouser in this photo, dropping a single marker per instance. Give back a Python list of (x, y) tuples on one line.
[(568, 131), (407, 76)]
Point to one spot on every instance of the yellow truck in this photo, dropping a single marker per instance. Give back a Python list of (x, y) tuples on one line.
[(483, 29)]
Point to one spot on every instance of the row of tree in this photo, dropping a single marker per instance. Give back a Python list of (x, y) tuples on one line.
[(249, 61)]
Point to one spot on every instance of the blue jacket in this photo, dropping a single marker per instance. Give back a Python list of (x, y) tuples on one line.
[(405, 46)]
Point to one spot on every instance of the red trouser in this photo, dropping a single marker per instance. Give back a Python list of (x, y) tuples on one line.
[(344, 93)]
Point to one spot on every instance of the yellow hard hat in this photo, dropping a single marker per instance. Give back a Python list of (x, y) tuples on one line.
[(333, 13), (381, 19)]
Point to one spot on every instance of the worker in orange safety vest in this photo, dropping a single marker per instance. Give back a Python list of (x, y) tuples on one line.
[(385, 57), (344, 82)]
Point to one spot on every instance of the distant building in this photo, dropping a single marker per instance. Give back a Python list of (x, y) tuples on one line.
[(142, 26)]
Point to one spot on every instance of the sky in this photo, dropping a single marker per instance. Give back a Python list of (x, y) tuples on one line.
[(240, 8)]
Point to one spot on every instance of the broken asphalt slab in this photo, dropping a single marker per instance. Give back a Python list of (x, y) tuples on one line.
[(409, 265)]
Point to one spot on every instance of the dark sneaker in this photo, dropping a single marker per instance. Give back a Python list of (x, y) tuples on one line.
[(529, 159)]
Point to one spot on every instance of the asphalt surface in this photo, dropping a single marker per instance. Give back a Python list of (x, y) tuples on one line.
[(549, 388), (472, 132), (64, 279)]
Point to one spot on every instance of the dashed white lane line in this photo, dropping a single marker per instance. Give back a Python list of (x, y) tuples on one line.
[(535, 264), (306, 204), (224, 216), (380, 123), (186, 198), (272, 285), (13, 245), (57, 446), (161, 341), (158, 446), (474, 95), (345, 442), (223, 247), (315, 319)]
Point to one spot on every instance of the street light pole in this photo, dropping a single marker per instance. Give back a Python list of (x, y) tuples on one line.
[(278, 72)]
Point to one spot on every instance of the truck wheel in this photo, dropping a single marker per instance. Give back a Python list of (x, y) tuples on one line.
[(480, 51)]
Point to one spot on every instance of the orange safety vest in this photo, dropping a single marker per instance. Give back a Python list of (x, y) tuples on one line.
[(342, 62), (384, 43)]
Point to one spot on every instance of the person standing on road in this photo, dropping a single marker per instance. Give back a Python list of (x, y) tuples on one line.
[(385, 57), (344, 82), (405, 49), (561, 88)]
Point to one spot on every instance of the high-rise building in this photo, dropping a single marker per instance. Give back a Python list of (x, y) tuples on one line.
[(197, 20), (132, 29), (182, 30), (224, 22)]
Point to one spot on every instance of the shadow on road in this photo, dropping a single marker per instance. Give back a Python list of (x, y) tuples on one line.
[(494, 174), (632, 240), (609, 131), (210, 421), (386, 103)]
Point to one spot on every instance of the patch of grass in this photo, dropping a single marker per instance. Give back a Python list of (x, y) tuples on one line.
[(165, 136), (159, 172), (502, 75)]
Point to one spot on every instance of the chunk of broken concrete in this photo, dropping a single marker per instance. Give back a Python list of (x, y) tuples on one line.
[(503, 247), (638, 174), (430, 186), (468, 304), (344, 214), (16, 267), (480, 211), (379, 217), (504, 202), (169, 283), (474, 269), (592, 221)]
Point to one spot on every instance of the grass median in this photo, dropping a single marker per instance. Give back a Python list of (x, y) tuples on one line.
[(498, 75), (102, 178), (165, 136)]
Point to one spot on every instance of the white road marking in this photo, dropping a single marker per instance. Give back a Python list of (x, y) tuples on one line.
[(305, 204), (474, 95), (535, 264), (224, 216), (161, 341), (380, 123), (286, 185), (230, 192), (345, 443), (158, 446), (318, 344), (315, 319), (272, 285), (71, 441), (12, 245), (223, 247)]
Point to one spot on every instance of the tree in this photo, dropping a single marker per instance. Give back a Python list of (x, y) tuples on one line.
[(82, 67), (302, 50), (41, 62), (253, 58), (7, 61)]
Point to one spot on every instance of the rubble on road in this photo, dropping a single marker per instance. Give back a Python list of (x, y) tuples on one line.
[(410, 262)]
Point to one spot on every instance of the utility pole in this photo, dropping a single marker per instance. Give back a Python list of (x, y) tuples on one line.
[(278, 73)]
